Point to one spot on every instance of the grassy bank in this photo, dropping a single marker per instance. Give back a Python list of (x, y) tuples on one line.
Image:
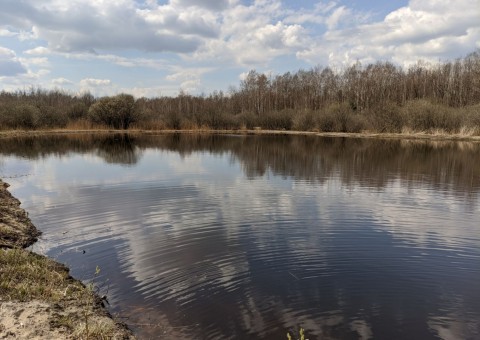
[(39, 299)]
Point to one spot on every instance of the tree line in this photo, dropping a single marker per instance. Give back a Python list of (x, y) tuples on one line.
[(379, 97)]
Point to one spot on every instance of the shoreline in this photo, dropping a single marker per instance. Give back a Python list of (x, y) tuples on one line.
[(367, 135), (38, 297)]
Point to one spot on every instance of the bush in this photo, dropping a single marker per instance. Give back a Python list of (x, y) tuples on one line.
[(216, 120), (173, 120), (77, 111), (281, 120), (422, 115), (23, 116), (247, 120), (385, 117), (326, 122), (51, 117), (118, 112), (305, 121), (340, 118)]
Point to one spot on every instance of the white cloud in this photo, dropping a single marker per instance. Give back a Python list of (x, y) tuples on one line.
[(181, 73), (10, 65), (39, 50), (226, 34), (427, 30), (339, 13), (191, 85), (89, 25), (92, 82), (317, 15), (189, 79), (215, 5), (35, 61), (254, 34), (7, 53), (99, 87), (61, 82), (139, 92), (6, 33)]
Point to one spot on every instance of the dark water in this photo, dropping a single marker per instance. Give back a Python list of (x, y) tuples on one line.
[(249, 237)]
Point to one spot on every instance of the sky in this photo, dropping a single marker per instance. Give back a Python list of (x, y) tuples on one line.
[(159, 47)]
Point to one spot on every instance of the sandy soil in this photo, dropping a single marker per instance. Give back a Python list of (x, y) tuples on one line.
[(41, 320), (29, 320), (76, 315)]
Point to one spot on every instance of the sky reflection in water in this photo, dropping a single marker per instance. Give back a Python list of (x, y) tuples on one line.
[(249, 237)]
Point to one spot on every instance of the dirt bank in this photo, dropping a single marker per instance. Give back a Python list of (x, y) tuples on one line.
[(16, 229), (38, 297), (366, 134)]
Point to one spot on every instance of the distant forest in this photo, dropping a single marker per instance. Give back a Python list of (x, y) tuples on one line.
[(380, 97)]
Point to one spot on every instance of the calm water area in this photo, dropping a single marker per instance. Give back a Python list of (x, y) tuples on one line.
[(251, 237)]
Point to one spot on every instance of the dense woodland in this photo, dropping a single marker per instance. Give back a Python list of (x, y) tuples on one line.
[(380, 97)]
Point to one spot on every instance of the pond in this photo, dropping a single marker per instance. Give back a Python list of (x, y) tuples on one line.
[(251, 237)]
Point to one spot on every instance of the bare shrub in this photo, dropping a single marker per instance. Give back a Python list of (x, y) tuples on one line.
[(217, 120), (248, 120), (422, 115), (173, 120), (386, 117), (305, 121), (340, 118), (23, 116), (77, 111), (117, 112), (282, 120), (51, 117)]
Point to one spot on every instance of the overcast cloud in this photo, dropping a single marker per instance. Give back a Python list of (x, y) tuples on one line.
[(150, 46)]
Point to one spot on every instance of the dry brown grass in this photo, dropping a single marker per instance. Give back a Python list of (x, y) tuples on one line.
[(26, 276)]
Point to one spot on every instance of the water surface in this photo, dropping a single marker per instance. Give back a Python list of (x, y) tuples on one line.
[(248, 237)]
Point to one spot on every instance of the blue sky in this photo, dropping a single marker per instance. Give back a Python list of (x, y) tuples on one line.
[(151, 48)]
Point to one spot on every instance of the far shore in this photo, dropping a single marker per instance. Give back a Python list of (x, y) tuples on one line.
[(437, 136)]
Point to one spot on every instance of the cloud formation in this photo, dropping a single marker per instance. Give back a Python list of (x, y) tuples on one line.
[(9, 63), (61, 82), (94, 82), (223, 34), (428, 30), (80, 26)]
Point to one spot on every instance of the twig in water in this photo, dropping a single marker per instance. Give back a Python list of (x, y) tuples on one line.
[(294, 276)]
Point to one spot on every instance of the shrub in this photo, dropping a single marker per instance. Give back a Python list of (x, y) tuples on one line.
[(248, 120), (340, 118), (173, 120), (217, 120), (385, 117), (23, 116), (117, 112), (51, 117), (471, 120), (326, 122), (281, 120), (421, 115), (356, 123), (305, 121), (77, 111)]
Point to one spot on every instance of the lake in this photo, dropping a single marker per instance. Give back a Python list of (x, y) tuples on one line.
[(251, 237)]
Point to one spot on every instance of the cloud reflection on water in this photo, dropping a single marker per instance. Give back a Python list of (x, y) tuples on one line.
[(258, 235)]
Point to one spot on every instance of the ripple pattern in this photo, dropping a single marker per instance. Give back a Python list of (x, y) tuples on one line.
[(192, 246)]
